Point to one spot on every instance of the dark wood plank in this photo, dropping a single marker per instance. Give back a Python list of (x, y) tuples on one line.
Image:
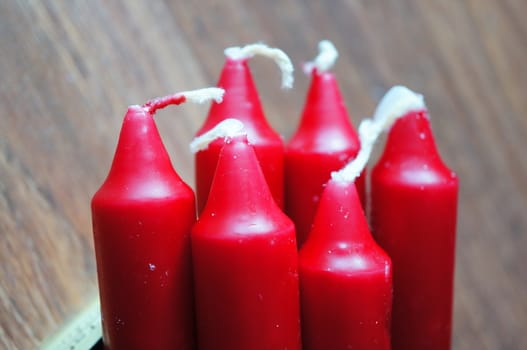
[(70, 68)]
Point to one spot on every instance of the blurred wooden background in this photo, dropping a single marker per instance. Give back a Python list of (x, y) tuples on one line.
[(68, 69)]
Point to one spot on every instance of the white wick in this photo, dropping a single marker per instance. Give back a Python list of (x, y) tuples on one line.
[(279, 56), (369, 131), (397, 102), (326, 58), (204, 95), (197, 96), (229, 127)]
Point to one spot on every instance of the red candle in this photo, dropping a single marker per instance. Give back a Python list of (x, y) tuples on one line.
[(241, 101), (345, 277), (245, 260), (142, 217), (324, 142), (414, 205)]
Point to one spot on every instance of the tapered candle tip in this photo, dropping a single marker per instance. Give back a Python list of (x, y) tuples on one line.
[(229, 127), (325, 59), (279, 56), (397, 102)]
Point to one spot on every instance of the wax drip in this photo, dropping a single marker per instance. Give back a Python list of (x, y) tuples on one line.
[(196, 96), (279, 56), (325, 60), (229, 127), (396, 103)]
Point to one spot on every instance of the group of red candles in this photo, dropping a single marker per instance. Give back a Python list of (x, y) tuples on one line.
[(280, 254)]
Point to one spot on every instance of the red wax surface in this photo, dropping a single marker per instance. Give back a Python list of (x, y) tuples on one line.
[(241, 101), (325, 141), (142, 217), (345, 277), (414, 204), (245, 261)]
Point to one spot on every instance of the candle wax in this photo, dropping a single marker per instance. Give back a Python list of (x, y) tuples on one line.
[(245, 260), (241, 101), (142, 216), (414, 204), (345, 277), (324, 142)]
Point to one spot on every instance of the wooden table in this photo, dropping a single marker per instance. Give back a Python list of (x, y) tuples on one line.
[(68, 69)]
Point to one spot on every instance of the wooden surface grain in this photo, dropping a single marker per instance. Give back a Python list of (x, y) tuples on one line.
[(68, 69)]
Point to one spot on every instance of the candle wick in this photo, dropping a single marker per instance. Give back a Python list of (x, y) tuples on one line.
[(397, 102), (229, 127), (280, 57), (325, 60), (369, 131), (161, 102), (196, 96)]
